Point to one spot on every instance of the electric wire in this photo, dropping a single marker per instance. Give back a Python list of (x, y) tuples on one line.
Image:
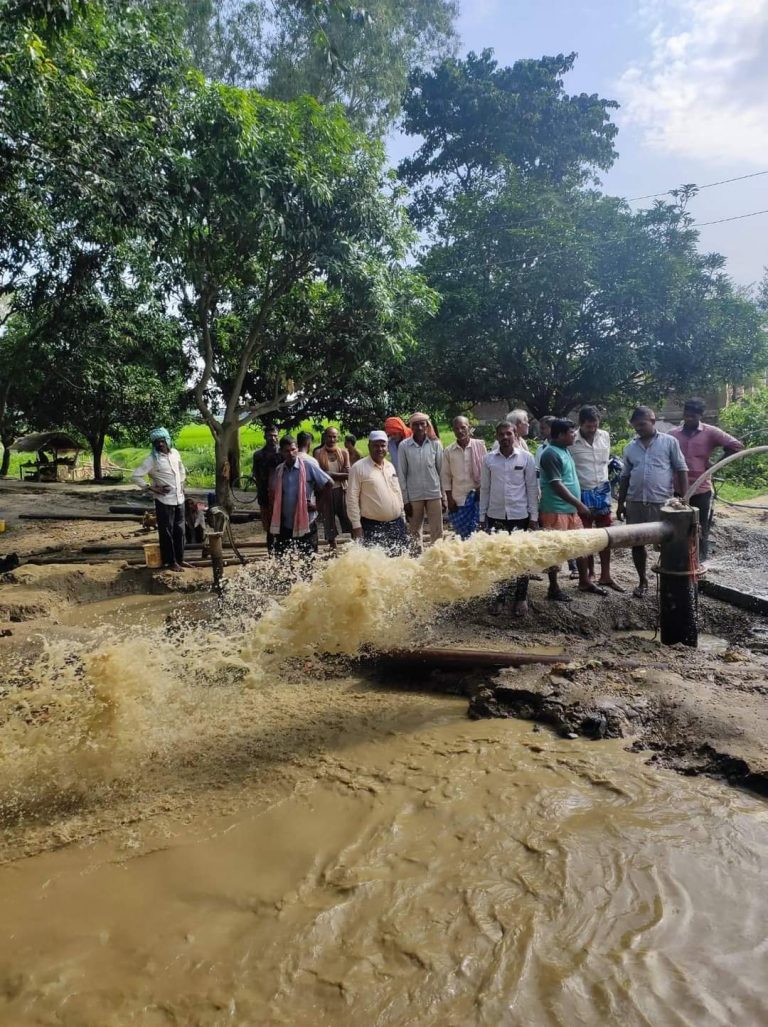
[(708, 185)]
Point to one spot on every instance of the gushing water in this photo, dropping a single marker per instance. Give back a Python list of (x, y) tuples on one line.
[(93, 714)]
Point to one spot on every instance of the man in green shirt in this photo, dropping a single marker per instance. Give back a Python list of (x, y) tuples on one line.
[(561, 508)]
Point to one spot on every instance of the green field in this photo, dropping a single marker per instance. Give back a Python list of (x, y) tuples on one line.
[(195, 445)]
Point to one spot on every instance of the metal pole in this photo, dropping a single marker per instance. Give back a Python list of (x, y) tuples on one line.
[(678, 566), (621, 536)]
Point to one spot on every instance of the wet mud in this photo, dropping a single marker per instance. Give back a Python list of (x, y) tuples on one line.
[(230, 818)]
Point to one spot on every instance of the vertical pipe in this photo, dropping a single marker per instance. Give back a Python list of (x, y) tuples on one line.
[(217, 558), (677, 576)]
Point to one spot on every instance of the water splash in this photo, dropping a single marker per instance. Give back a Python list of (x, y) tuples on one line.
[(365, 598), (112, 707)]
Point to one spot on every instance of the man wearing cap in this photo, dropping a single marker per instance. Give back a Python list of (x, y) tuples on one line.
[(374, 499), (166, 475)]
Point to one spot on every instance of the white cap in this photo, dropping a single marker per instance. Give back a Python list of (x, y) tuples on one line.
[(378, 436)]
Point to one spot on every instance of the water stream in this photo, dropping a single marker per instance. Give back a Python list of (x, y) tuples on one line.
[(259, 842)]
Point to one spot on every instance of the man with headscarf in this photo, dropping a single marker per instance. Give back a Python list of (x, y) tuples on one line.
[(335, 462), (166, 475), (295, 485), (462, 466), (420, 463), (374, 499), (396, 430)]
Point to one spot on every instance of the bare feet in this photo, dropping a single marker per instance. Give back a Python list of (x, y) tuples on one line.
[(520, 609), (176, 568)]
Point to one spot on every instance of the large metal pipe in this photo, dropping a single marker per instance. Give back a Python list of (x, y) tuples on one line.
[(621, 536), (678, 569), (677, 534)]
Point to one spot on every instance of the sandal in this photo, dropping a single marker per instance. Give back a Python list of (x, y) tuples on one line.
[(640, 592), (612, 584)]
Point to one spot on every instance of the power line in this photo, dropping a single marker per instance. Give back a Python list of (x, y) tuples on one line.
[(737, 217), (709, 185)]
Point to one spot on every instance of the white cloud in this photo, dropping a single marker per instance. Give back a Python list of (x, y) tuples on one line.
[(702, 91)]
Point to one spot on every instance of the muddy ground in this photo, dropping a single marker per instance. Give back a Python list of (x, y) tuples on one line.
[(703, 711)]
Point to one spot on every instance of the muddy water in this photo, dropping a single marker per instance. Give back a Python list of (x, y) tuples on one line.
[(382, 861), (457, 874)]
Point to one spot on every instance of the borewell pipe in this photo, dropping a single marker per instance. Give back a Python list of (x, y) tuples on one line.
[(677, 536)]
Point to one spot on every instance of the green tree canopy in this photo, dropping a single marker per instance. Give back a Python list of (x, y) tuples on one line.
[(553, 298), (477, 120), (287, 256), (113, 363), (335, 50)]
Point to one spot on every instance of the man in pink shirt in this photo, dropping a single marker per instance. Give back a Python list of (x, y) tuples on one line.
[(698, 441)]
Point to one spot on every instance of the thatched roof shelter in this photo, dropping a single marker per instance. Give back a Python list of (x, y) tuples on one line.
[(55, 441)]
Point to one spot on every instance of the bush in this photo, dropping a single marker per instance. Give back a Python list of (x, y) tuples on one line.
[(747, 419)]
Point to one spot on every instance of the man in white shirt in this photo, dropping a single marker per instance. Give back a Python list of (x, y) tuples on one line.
[(460, 477), (591, 452), (167, 475), (509, 501), (375, 501)]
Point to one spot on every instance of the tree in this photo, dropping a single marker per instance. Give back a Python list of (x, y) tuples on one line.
[(334, 50), (553, 294), (554, 299), (89, 93), (287, 256), (114, 365), (477, 121)]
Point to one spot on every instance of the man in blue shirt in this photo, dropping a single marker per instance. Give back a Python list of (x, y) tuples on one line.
[(654, 471)]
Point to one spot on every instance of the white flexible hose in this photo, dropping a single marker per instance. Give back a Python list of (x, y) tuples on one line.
[(721, 463)]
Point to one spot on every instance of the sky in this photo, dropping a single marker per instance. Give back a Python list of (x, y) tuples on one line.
[(691, 78)]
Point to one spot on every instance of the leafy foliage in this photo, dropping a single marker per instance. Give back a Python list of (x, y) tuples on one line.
[(477, 121), (553, 294), (114, 365), (287, 256), (334, 50)]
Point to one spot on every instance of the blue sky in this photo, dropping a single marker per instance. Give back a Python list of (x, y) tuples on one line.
[(691, 77)]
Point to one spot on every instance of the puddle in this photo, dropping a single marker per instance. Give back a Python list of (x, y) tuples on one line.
[(707, 643)]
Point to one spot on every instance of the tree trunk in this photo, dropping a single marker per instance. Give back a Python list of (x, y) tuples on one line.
[(223, 445), (6, 460), (233, 456), (96, 442)]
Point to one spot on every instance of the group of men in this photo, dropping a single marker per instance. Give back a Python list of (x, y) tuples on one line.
[(409, 478)]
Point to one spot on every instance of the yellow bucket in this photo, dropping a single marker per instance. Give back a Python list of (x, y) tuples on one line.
[(2, 526), (152, 556)]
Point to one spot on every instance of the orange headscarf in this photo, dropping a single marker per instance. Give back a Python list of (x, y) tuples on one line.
[(431, 433), (393, 425)]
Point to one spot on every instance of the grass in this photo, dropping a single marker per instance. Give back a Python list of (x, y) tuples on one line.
[(195, 444)]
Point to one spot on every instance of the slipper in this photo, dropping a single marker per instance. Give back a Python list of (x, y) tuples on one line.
[(559, 597), (594, 590), (612, 584), (640, 592)]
